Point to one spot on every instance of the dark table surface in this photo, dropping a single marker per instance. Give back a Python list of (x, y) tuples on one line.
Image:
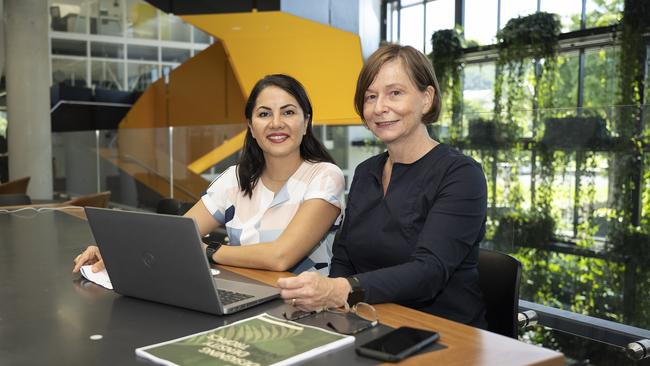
[(48, 315)]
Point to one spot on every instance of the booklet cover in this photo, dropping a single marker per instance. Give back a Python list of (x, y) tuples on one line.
[(260, 340)]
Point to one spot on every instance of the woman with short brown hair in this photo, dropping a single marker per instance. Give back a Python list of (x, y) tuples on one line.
[(416, 213)]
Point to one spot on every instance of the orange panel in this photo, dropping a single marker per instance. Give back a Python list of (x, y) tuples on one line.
[(150, 110), (198, 89)]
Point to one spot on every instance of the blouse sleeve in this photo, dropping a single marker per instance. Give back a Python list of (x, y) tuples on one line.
[(219, 195), (453, 225), (328, 184)]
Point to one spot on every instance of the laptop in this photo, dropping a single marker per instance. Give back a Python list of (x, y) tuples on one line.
[(160, 258)]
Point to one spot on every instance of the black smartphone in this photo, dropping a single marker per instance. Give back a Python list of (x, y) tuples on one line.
[(398, 344)]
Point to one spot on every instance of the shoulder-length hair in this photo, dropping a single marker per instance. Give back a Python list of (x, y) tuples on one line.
[(251, 162), (418, 68)]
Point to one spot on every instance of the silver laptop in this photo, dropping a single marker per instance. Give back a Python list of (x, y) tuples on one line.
[(160, 258)]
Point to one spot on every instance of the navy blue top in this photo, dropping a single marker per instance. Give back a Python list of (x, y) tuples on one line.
[(418, 245)]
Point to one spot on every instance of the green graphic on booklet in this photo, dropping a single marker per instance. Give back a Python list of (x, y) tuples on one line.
[(260, 340)]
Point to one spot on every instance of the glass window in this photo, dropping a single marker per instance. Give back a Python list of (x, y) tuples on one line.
[(478, 90), (141, 20), (175, 55), (69, 71), (141, 75), (200, 36), (107, 74), (481, 21), (565, 91), (516, 8), (69, 16), (106, 17), (601, 67), (148, 53), (569, 11), (106, 50), (411, 27), (440, 15), (410, 2), (172, 28), (603, 12), (68, 47)]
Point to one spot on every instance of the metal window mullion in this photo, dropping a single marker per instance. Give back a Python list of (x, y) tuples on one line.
[(97, 161), (399, 20), (424, 27), (498, 15), (89, 77), (459, 14), (583, 15), (171, 161), (384, 21), (125, 76)]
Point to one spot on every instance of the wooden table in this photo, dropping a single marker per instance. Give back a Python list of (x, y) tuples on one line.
[(465, 345)]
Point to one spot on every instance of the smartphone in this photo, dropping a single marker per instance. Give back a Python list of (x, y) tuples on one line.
[(398, 344)]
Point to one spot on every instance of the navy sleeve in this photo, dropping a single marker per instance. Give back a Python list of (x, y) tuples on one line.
[(453, 226), (341, 266)]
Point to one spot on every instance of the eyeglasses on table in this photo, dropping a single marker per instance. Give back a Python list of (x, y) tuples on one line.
[(348, 320)]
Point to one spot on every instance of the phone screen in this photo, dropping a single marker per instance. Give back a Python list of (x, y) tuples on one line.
[(400, 340)]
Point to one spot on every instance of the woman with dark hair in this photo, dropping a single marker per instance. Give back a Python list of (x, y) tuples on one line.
[(283, 201), (416, 213)]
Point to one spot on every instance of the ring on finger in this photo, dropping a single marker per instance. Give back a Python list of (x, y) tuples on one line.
[(293, 302)]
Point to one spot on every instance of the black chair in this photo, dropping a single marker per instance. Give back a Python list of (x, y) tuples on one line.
[(14, 199), (171, 206), (499, 277)]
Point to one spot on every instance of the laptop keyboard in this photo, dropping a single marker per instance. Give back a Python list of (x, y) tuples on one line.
[(229, 297)]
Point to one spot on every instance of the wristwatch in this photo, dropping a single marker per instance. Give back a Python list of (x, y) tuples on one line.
[(210, 250), (357, 294)]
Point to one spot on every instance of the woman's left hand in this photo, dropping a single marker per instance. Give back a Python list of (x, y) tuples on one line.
[(311, 291)]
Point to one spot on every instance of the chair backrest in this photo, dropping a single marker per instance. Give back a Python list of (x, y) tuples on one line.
[(18, 186), (14, 199), (499, 277), (91, 200), (171, 206)]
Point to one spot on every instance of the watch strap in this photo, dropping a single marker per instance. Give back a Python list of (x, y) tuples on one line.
[(357, 293), (210, 250)]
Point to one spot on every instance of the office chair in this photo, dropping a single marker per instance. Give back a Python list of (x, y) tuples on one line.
[(171, 206), (91, 200), (14, 199), (18, 186), (499, 277)]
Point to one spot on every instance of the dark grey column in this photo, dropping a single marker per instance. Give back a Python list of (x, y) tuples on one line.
[(27, 71)]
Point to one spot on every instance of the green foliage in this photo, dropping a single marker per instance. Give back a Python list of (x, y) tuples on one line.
[(447, 50), (601, 13), (636, 21), (534, 228), (532, 36)]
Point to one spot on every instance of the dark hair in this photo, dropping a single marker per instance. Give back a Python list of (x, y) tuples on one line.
[(251, 162), (418, 68)]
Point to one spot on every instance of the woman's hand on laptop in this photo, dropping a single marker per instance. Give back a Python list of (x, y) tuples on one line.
[(89, 256)]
